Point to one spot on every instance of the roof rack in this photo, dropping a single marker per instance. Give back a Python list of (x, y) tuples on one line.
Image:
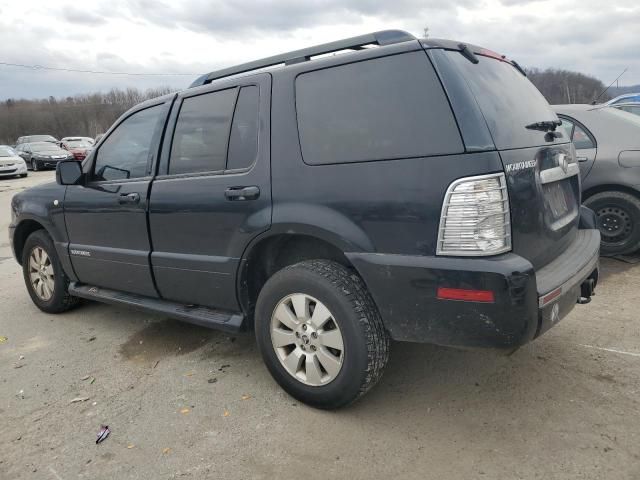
[(381, 38)]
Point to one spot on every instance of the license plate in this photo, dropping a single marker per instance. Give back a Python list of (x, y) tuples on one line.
[(559, 198)]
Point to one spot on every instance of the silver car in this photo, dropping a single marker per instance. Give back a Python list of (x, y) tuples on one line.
[(628, 107), (607, 142), (10, 163)]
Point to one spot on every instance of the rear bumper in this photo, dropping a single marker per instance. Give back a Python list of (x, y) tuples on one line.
[(405, 290)]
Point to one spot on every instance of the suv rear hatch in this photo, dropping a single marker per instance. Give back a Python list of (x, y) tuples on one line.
[(497, 108)]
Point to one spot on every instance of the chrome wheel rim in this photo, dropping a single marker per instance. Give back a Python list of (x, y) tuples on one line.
[(41, 273), (307, 339)]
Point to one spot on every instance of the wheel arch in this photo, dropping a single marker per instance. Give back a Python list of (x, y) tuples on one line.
[(25, 228), (610, 187), (279, 248)]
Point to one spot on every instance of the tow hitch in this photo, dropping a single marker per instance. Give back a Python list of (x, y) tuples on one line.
[(587, 290)]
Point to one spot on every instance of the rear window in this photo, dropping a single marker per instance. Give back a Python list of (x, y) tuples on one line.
[(202, 133), (508, 100), (385, 108)]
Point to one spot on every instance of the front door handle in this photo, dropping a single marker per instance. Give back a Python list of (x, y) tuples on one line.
[(242, 193), (129, 198), (582, 159)]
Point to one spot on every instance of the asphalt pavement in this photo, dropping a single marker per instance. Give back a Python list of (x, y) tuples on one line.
[(187, 402)]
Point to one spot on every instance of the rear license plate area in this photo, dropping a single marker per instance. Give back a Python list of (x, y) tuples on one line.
[(560, 202)]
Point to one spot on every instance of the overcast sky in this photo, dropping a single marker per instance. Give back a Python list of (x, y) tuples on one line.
[(197, 36)]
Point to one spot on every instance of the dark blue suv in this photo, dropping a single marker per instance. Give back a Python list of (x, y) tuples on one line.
[(405, 189)]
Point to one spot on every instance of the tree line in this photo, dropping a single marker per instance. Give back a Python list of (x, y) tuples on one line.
[(91, 114), (564, 86), (79, 115)]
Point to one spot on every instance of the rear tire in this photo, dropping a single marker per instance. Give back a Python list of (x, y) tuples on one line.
[(34, 165), (22, 175), (618, 216), (344, 356), (46, 282)]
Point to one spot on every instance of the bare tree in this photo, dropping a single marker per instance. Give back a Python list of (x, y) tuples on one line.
[(82, 115), (564, 86)]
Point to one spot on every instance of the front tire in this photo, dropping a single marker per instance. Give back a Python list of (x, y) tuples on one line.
[(320, 333), (34, 165), (46, 282), (618, 216)]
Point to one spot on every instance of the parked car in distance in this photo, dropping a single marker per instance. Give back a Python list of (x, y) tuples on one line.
[(414, 190), (624, 98), (78, 146), (11, 164), (607, 142), (42, 155), (36, 138), (628, 107), (86, 139)]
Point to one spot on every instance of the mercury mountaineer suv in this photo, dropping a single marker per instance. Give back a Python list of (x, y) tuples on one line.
[(406, 189)]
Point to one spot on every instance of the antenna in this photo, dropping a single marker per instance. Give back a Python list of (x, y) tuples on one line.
[(603, 92)]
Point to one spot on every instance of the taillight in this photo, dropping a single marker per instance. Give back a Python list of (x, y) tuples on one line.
[(475, 218)]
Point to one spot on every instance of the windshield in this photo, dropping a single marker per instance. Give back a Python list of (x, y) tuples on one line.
[(44, 147), (7, 151), (77, 144), (42, 138)]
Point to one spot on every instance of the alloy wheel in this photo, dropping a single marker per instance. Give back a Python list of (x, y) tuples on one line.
[(41, 274), (307, 339)]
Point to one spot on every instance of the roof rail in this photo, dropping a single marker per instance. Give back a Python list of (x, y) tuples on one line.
[(381, 38)]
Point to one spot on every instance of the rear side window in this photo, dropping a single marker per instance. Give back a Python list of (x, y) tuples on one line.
[(202, 133), (581, 139), (385, 108), (243, 142), (508, 100)]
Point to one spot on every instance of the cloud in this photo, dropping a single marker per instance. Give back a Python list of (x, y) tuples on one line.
[(197, 36), (222, 17), (82, 17)]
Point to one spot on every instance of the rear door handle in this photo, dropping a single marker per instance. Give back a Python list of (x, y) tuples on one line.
[(129, 198), (242, 193), (582, 159)]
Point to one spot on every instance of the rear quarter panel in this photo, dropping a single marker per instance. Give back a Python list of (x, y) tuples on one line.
[(390, 206)]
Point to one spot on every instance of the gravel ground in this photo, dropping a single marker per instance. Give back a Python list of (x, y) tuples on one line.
[(187, 402)]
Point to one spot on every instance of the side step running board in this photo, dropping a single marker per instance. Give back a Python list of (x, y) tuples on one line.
[(203, 316)]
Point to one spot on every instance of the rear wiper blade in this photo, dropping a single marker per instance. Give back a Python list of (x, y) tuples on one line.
[(544, 126), (467, 53), (518, 67)]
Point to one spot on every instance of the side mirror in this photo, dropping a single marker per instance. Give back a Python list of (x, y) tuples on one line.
[(68, 172)]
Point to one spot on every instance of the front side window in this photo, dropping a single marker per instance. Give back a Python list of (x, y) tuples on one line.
[(125, 153), (380, 109), (202, 133)]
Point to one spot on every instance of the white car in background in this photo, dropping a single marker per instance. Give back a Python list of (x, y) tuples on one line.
[(10, 163)]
